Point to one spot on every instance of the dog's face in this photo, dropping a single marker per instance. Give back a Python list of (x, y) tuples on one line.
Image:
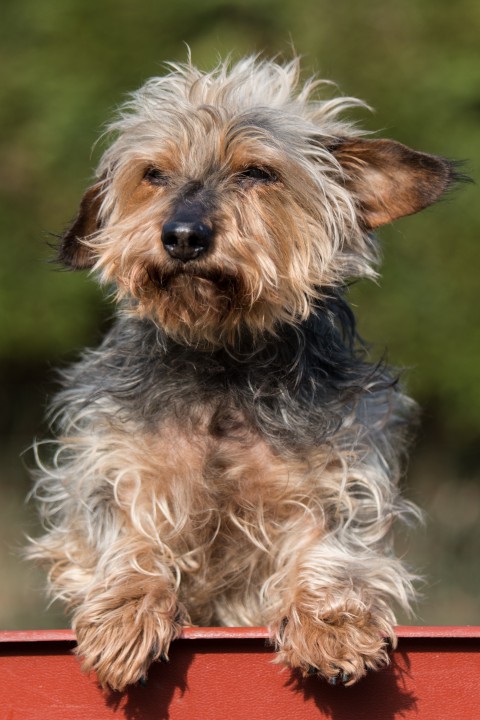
[(228, 202)]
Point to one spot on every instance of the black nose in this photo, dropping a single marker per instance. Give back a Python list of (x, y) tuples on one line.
[(186, 240)]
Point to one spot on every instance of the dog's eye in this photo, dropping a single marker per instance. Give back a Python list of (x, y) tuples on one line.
[(257, 174), (155, 176)]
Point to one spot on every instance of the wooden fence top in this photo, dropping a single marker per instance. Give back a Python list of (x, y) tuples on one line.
[(227, 674)]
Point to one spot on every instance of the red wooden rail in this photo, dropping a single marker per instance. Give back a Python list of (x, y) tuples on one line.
[(227, 674)]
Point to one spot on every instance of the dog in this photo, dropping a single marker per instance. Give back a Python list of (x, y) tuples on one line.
[(229, 455)]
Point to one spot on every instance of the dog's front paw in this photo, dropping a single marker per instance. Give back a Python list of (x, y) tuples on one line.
[(120, 643), (341, 645)]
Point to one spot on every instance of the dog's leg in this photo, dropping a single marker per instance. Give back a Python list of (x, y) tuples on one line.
[(127, 619), (329, 603), (335, 620), (123, 596), (120, 505)]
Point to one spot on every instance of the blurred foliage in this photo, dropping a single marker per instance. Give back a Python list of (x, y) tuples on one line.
[(67, 65)]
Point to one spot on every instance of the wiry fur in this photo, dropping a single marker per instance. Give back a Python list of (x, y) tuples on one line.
[(228, 455)]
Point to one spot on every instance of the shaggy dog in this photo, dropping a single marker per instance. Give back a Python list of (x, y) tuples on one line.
[(228, 455)]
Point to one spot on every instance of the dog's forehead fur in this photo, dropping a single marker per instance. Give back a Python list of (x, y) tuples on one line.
[(262, 104)]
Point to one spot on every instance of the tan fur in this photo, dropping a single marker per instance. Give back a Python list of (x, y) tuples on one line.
[(226, 528)]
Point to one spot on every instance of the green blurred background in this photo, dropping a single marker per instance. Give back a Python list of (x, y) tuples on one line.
[(65, 66)]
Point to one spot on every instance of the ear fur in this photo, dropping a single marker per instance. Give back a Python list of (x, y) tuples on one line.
[(389, 180), (72, 251)]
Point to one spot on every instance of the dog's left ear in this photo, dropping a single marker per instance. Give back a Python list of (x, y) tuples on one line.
[(72, 250), (389, 180)]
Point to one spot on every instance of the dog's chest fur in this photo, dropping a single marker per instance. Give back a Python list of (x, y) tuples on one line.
[(226, 449), (295, 391)]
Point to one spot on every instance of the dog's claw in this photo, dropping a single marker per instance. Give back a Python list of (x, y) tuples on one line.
[(341, 677)]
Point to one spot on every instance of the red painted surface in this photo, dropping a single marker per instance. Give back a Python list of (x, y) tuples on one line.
[(227, 674)]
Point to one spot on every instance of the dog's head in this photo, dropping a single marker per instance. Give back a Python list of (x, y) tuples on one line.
[(230, 201)]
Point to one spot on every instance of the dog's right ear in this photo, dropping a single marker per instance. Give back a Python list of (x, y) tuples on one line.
[(73, 252)]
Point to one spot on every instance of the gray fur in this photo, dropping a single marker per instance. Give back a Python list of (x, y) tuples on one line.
[(296, 389)]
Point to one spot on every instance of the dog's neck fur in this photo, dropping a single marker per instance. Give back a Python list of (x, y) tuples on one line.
[(297, 387)]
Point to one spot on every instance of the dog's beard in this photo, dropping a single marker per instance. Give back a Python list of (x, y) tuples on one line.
[(187, 278), (200, 306), (205, 305)]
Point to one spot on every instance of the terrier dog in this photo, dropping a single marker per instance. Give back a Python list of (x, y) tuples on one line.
[(228, 455)]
